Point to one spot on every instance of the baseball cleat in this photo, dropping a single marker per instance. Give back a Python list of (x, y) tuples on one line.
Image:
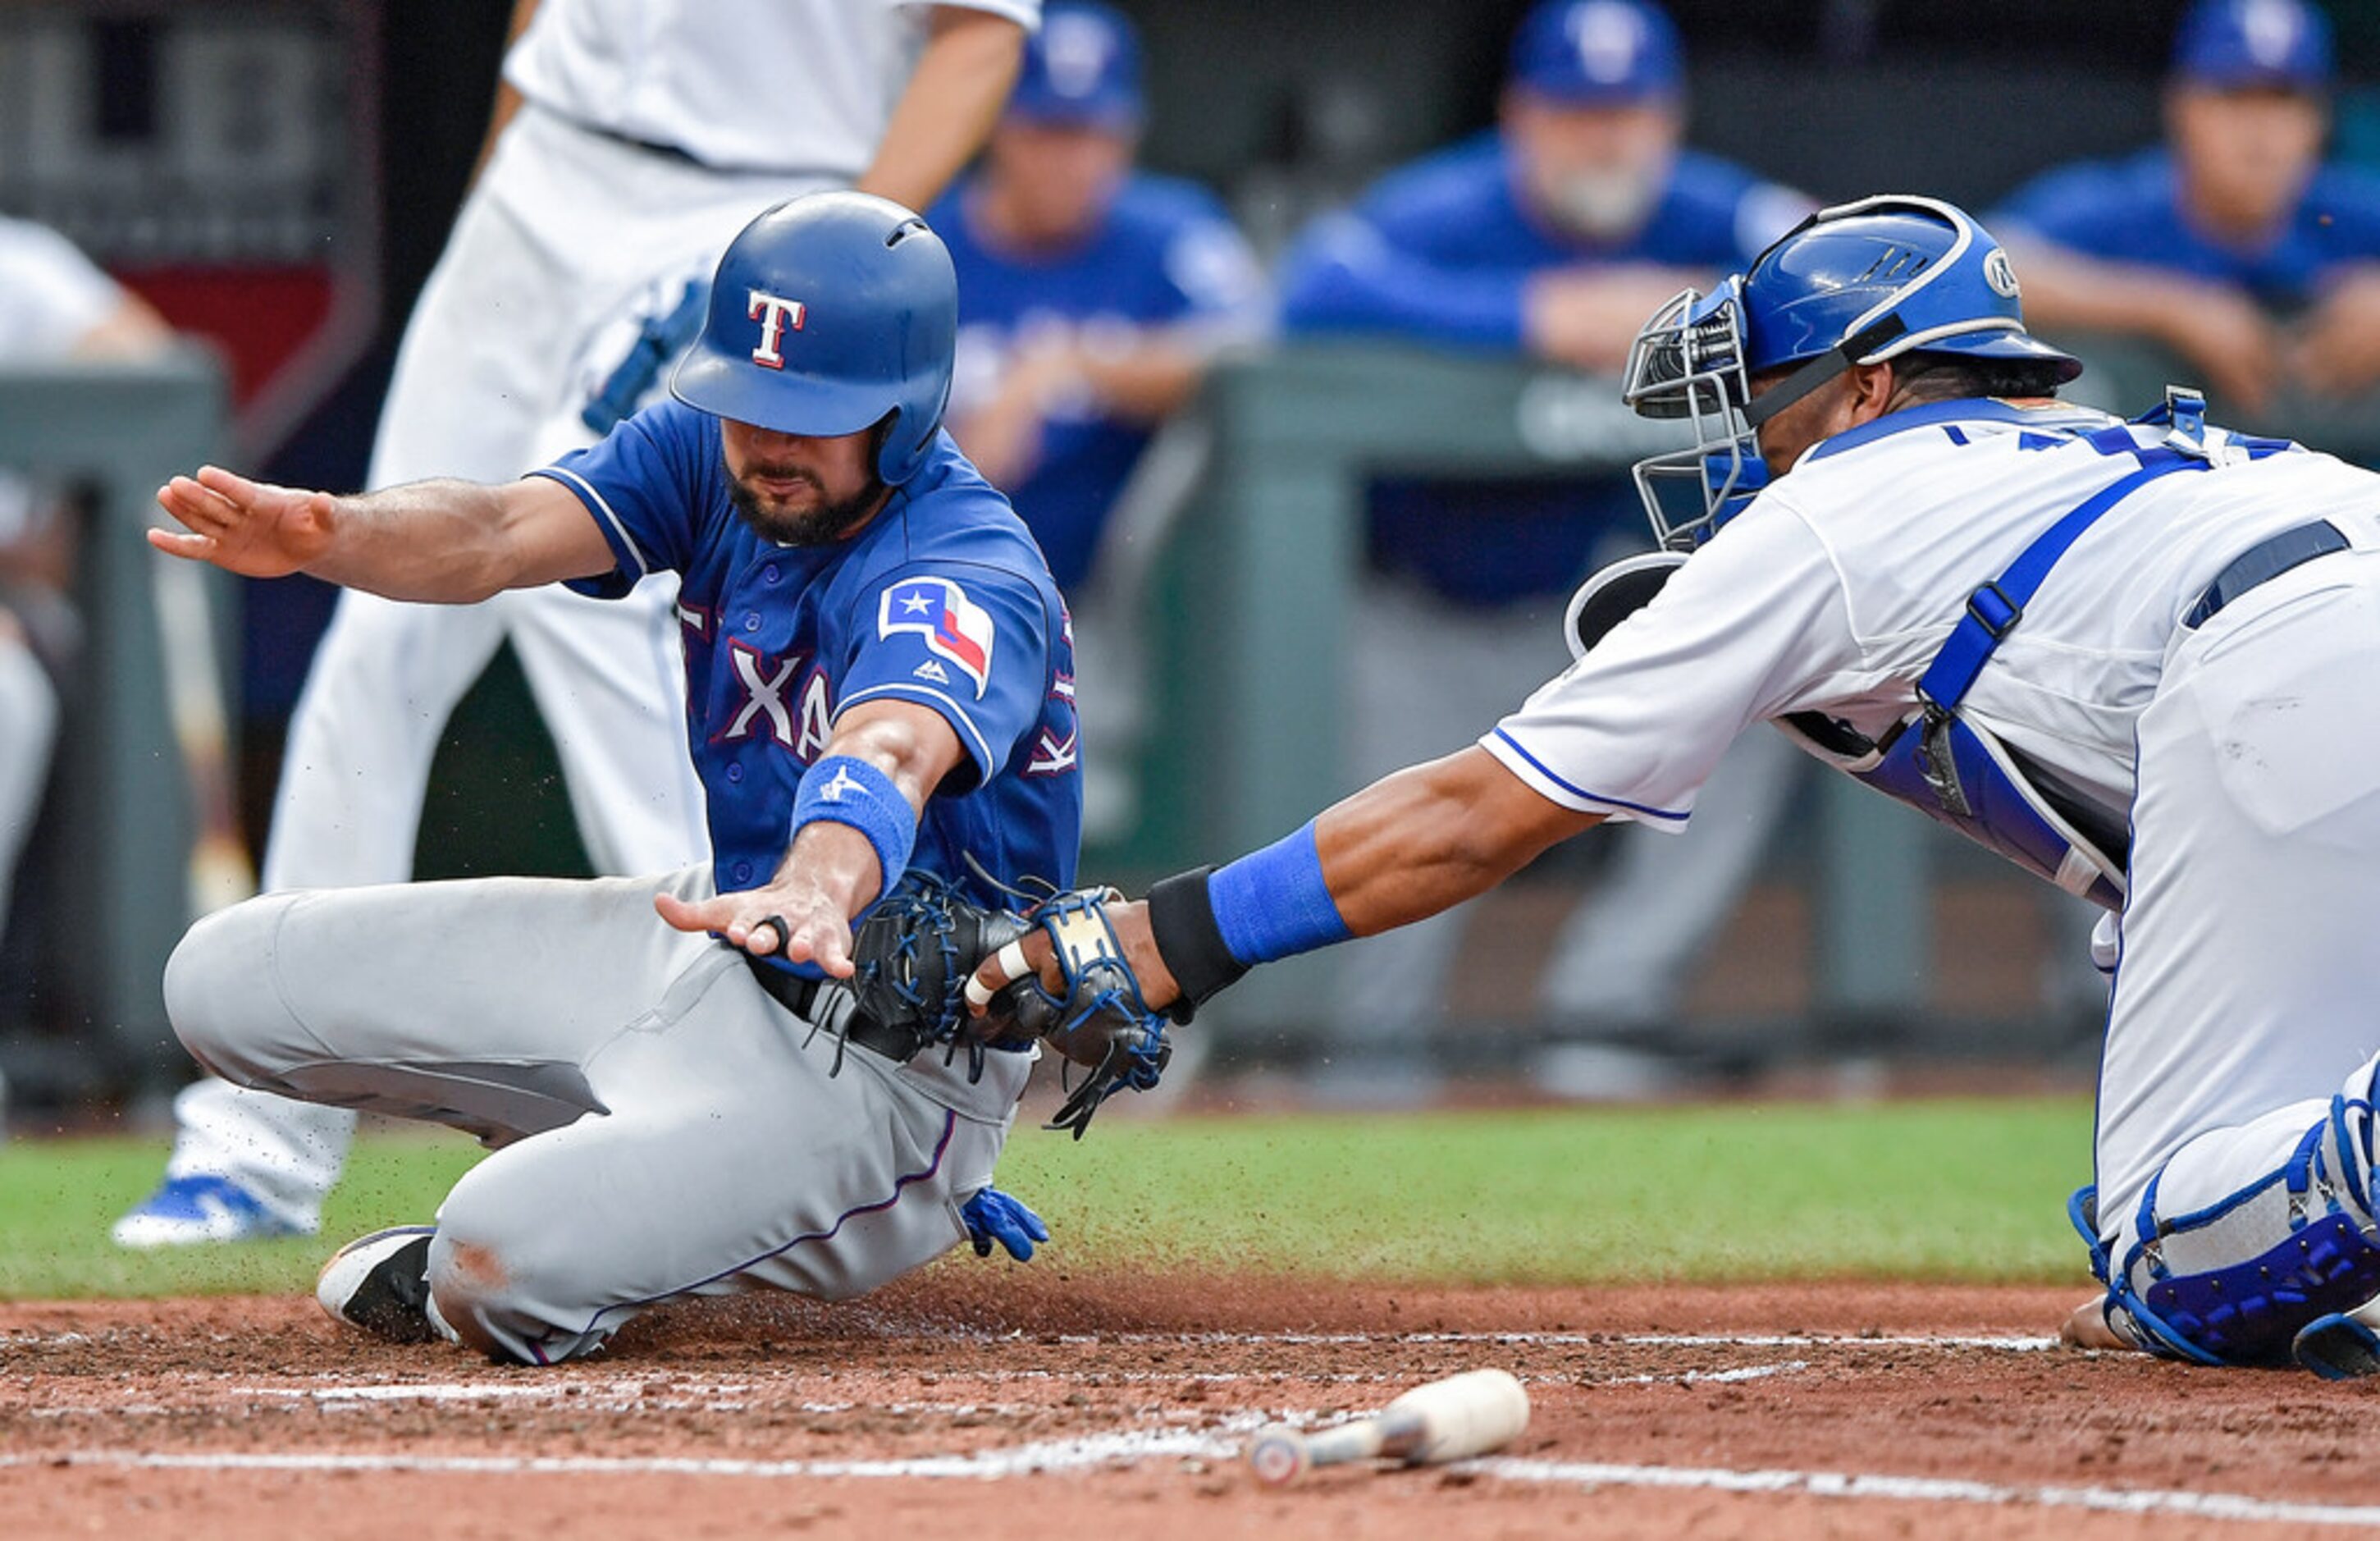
[(381, 1283), (2338, 1347), (186, 1211)]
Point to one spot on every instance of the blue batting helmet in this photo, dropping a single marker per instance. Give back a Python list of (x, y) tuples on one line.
[(829, 314), (1858, 283)]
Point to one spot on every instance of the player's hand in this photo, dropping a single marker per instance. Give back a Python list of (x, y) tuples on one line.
[(2231, 340), (251, 527), (793, 918), (2336, 348), (1158, 989), (1588, 318), (1003, 438)]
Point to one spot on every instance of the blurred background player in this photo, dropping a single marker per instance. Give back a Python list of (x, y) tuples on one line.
[(55, 304), (1092, 298), (2232, 244), (1553, 235), (630, 139)]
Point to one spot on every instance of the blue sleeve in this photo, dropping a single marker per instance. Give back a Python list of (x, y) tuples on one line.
[(2085, 207), (2346, 203), (646, 483), (1210, 273), (967, 640), (1349, 274)]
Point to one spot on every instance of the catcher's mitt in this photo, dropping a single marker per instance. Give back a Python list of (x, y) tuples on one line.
[(912, 956), (1099, 1022)]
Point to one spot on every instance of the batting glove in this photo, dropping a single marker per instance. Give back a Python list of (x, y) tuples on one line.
[(992, 1216)]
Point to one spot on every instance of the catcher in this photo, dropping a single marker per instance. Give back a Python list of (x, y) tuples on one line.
[(696, 1082), (2134, 657)]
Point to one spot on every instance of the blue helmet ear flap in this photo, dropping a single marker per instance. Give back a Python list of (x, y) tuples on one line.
[(829, 315)]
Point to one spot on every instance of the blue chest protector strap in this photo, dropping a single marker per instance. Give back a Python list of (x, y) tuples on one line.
[(1961, 774), (1994, 610)]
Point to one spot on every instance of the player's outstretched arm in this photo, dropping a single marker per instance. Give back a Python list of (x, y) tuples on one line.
[(855, 821), (1404, 848), (452, 542)]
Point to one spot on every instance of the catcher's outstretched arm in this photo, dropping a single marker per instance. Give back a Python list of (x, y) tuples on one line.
[(1402, 849)]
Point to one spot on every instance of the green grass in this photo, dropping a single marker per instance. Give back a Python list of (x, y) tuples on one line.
[(1940, 1190)]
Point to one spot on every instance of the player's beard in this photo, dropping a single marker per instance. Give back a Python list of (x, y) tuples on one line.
[(822, 524)]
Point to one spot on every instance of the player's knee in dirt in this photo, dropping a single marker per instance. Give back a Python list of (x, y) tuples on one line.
[(507, 1280)]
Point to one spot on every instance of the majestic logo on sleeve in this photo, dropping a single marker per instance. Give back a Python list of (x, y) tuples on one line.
[(953, 627), (777, 316)]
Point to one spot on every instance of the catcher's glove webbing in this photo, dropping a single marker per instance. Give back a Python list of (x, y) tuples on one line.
[(912, 956), (1100, 1021)]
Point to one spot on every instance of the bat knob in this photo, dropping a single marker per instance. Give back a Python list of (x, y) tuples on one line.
[(1278, 1454)]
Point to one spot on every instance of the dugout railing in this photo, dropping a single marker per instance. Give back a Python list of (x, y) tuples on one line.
[(122, 824)]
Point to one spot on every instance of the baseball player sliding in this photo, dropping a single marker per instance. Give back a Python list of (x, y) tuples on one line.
[(878, 663), (631, 139), (2136, 658)]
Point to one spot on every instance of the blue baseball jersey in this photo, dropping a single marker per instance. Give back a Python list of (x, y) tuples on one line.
[(941, 600), (2130, 211), (1164, 255), (1442, 252)]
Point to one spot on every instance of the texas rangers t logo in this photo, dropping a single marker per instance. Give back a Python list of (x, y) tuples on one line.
[(953, 627), (777, 316)]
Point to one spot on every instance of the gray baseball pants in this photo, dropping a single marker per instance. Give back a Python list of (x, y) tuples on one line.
[(662, 1126)]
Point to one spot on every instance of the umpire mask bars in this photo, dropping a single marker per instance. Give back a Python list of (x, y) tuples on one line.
[(1687, 363)]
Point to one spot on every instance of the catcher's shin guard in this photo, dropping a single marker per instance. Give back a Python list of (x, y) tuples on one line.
[(2272, 1271)]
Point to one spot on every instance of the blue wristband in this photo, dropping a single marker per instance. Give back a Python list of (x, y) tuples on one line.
[(844, 790), (1273, 903)]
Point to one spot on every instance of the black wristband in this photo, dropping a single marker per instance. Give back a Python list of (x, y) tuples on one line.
[(1182, 923)]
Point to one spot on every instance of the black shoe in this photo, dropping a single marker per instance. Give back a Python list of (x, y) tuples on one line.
[(381, 1283)]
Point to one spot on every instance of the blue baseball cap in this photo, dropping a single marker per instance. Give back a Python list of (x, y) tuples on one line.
[(1600, 54), (1083, 66), (2235, 45)]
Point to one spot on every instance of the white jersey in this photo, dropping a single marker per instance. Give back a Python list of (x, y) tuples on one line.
[(799, 86), (51, 295), (1834, 590)]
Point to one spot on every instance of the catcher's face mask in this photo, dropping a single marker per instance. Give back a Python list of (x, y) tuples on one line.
[(1688, 363)]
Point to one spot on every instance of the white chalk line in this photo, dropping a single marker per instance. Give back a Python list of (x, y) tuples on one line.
[(1123, 1447), (1088, 1453), (1908, 1489)]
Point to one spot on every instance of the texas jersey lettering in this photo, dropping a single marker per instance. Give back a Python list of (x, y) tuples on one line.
[(924, 606)]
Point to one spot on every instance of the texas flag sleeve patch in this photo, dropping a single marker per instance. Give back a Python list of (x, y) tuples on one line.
[(953, 627)]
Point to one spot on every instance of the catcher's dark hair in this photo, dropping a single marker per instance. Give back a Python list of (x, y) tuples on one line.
[(1923, 376)]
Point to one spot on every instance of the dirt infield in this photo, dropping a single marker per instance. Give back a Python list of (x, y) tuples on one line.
[(1004, 1400)]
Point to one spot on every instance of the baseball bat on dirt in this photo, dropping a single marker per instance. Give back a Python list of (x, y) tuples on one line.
[(1446, 1420)]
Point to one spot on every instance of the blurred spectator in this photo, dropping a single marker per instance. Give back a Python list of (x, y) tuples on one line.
[(1556, 235), (54, 305), (2232, 244), (1092, 297)]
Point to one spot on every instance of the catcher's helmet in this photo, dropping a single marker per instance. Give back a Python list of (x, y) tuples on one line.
[(829, 314), (1857, 283)]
